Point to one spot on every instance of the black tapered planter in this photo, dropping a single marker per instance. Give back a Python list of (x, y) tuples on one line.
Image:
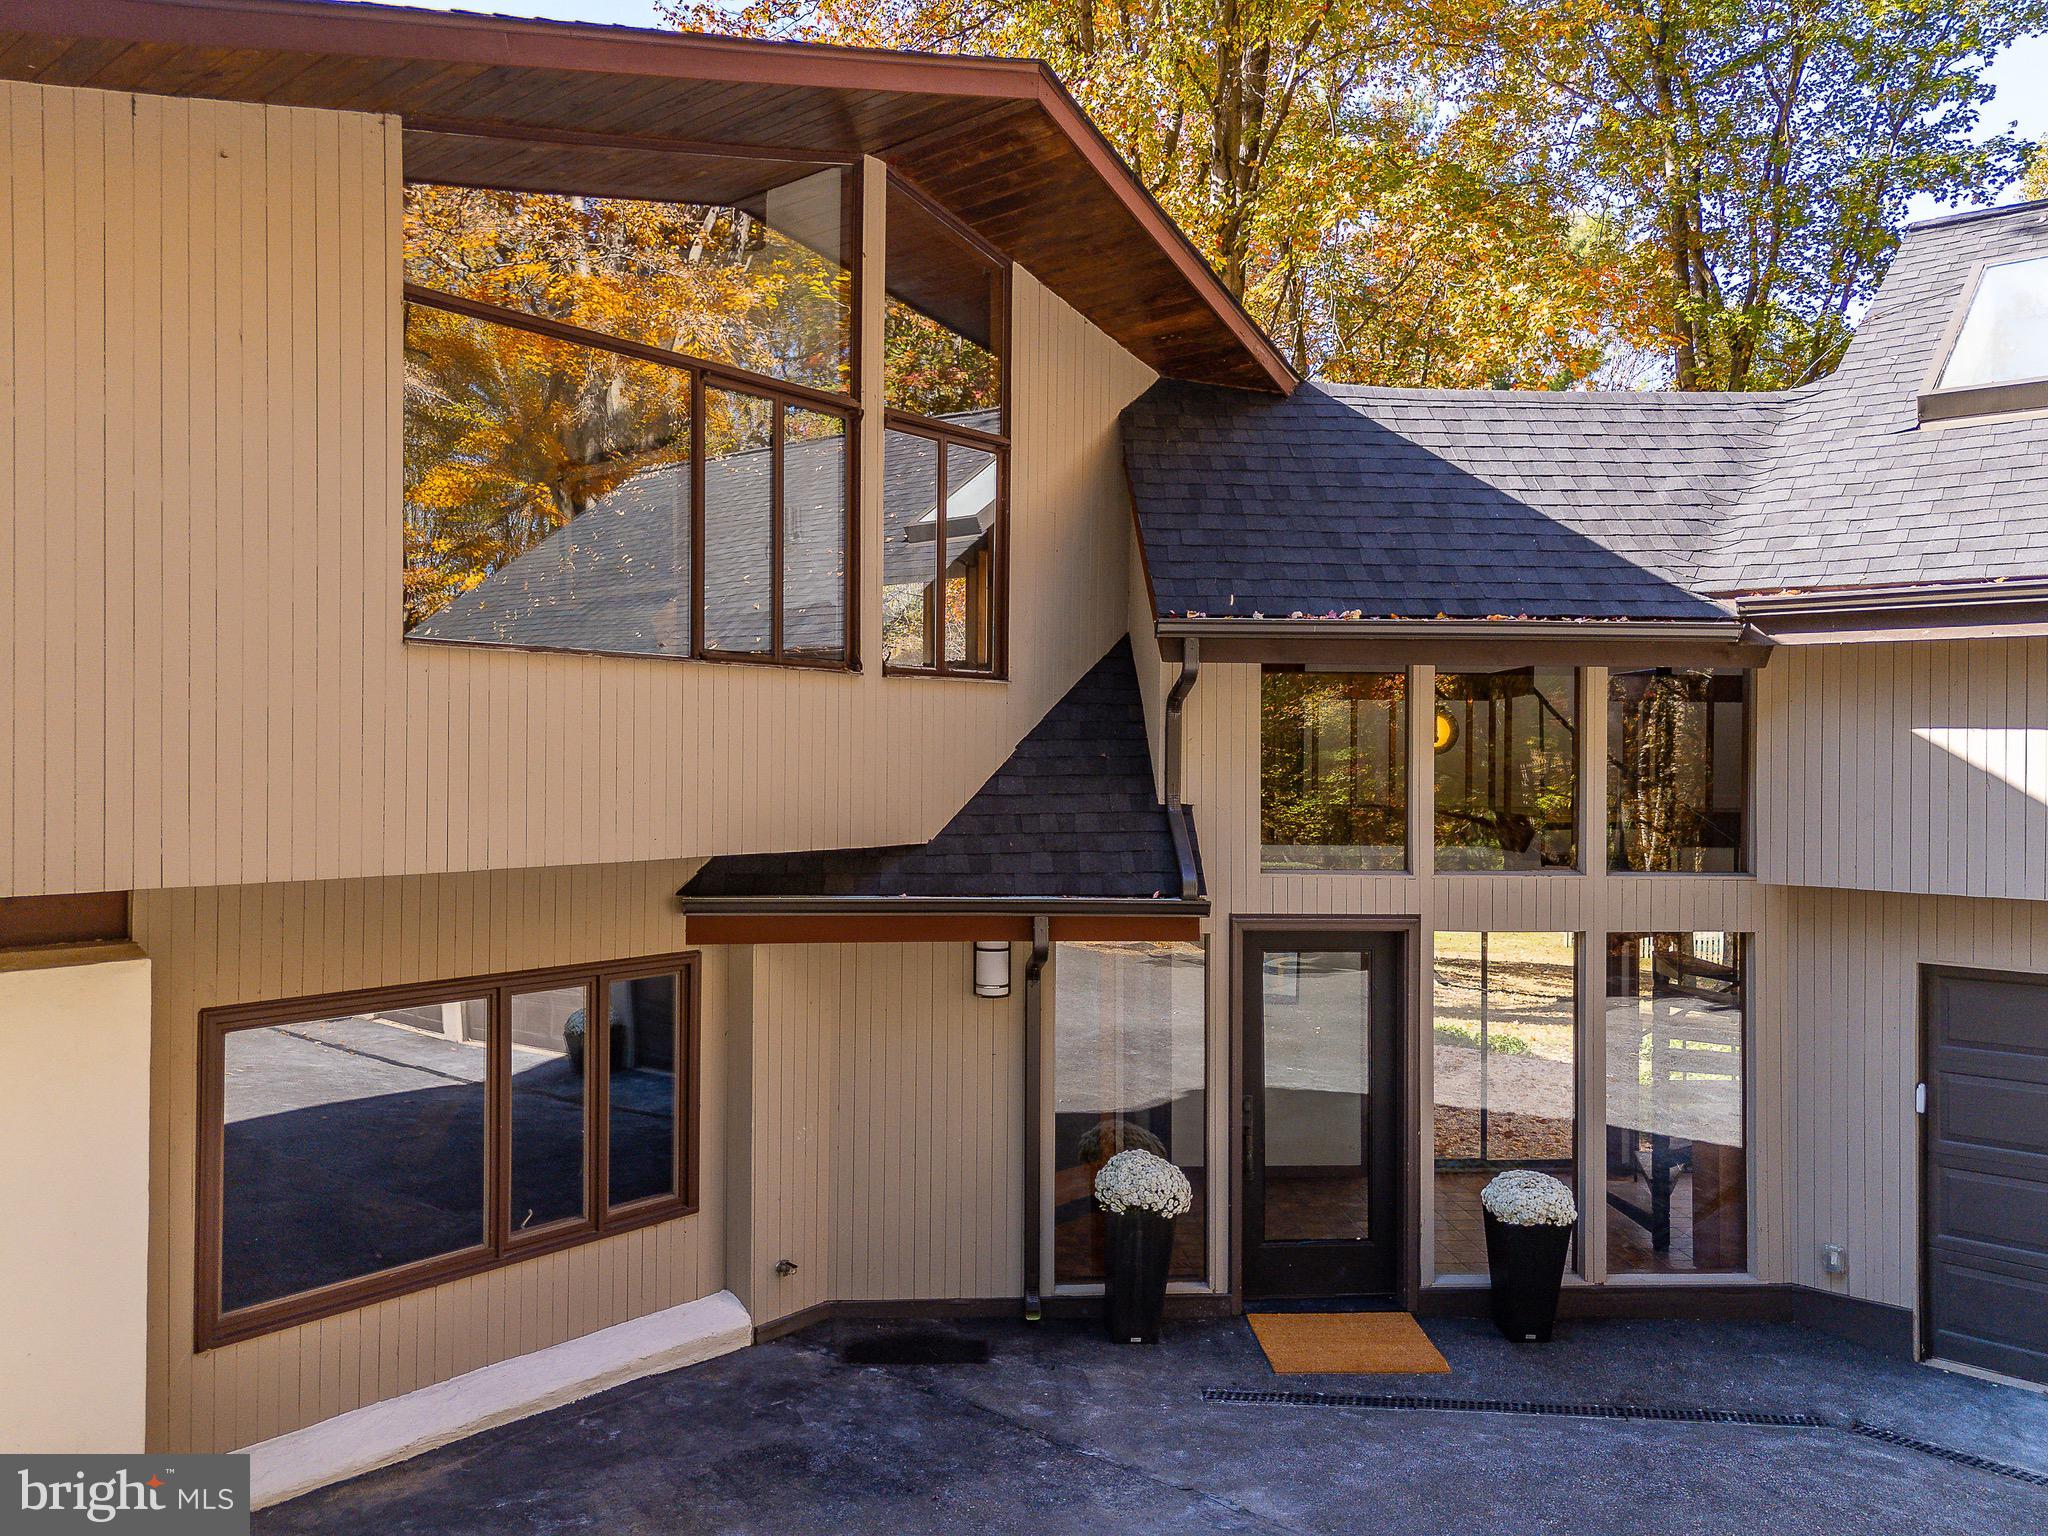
[(1134, 1293), (1527, 1265)]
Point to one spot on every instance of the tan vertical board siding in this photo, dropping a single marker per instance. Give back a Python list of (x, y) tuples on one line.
[(1919, 767), (887, 1140), (238, 944), (1840, 998), (205, 680)]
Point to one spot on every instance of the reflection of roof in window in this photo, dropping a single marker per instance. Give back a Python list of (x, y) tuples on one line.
[(617, 578), (2004, 339)]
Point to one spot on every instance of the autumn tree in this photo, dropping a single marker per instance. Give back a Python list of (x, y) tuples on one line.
[(1312, 150), (1515, 191), (2034, 184), (1764, 150)]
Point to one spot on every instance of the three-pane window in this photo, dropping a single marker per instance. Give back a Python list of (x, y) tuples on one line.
[(362, 1145)]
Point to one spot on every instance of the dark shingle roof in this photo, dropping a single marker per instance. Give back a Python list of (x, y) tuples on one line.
[(1379, 503), (1072, 814), (1855, 491), (1414, 503)]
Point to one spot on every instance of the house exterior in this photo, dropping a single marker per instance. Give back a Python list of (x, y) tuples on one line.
[(787, 552)]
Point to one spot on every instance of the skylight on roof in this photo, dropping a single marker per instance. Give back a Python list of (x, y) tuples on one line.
[(2004, 339)]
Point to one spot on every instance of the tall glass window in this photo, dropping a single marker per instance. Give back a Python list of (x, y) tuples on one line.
[(1505, 1064), (351, 1145), (1129, 1071), (945, 456), (550, 1091), (763, 283), (1677, 757), (626, 420), (1333, 770), (1507, 769), (1677, 1175), (944, 319)]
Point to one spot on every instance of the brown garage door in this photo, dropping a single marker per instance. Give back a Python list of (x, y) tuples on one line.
[(1987, 1171)]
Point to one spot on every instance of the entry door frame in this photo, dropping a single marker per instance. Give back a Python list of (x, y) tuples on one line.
[(1408, 1116)]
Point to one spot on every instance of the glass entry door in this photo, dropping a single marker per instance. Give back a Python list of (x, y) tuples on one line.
[(1322, 1106)]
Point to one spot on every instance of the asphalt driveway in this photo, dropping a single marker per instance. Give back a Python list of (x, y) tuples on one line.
[(1062, 1432)]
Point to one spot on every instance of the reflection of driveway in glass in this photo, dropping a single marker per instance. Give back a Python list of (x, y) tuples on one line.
[(357, 1145)]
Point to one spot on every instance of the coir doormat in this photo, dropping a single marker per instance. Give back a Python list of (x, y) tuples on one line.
[(1346, 1344)]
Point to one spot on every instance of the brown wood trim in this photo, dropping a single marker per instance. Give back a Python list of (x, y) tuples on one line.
[(933, 927), (91, 917), (1387, 653), (856, 928), (949, 221), (51, 957), (572, 138), (726, 375), (896, 419), (944, 434), (1110, 929), (213, 1328)]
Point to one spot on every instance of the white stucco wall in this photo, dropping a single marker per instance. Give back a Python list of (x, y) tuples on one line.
[(74, 1201)]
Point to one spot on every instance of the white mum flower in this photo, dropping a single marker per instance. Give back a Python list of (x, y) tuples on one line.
[(1145, 1182), (1523, 1197)]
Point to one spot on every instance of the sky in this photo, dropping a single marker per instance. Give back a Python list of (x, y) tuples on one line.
[(2020, 74)]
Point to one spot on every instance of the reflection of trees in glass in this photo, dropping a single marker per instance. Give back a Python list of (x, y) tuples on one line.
[(1667, 731), (1506, 769), (712, 281), (1333, 770), (933, 370), (509, 435)]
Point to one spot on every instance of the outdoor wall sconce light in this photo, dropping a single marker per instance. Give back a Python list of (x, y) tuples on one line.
[(991, 968)]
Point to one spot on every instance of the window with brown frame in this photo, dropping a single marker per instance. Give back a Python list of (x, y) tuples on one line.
[(361, 1145), (946, 451), (627, 422)]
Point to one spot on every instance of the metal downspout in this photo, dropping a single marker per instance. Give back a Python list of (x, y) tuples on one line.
[(1034, 1071), (1176, 808)]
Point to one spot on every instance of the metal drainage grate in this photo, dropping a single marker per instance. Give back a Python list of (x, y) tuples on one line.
[(1943, 1453), (1628, 1411)]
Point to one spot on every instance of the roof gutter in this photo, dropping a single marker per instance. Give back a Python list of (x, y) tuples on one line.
[(932, 906), (1694, 632), (1893, 599), (1176, 808)]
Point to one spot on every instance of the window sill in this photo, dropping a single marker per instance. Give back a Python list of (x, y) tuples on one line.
[(946, 677), (1680, 874), (720, 658)]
